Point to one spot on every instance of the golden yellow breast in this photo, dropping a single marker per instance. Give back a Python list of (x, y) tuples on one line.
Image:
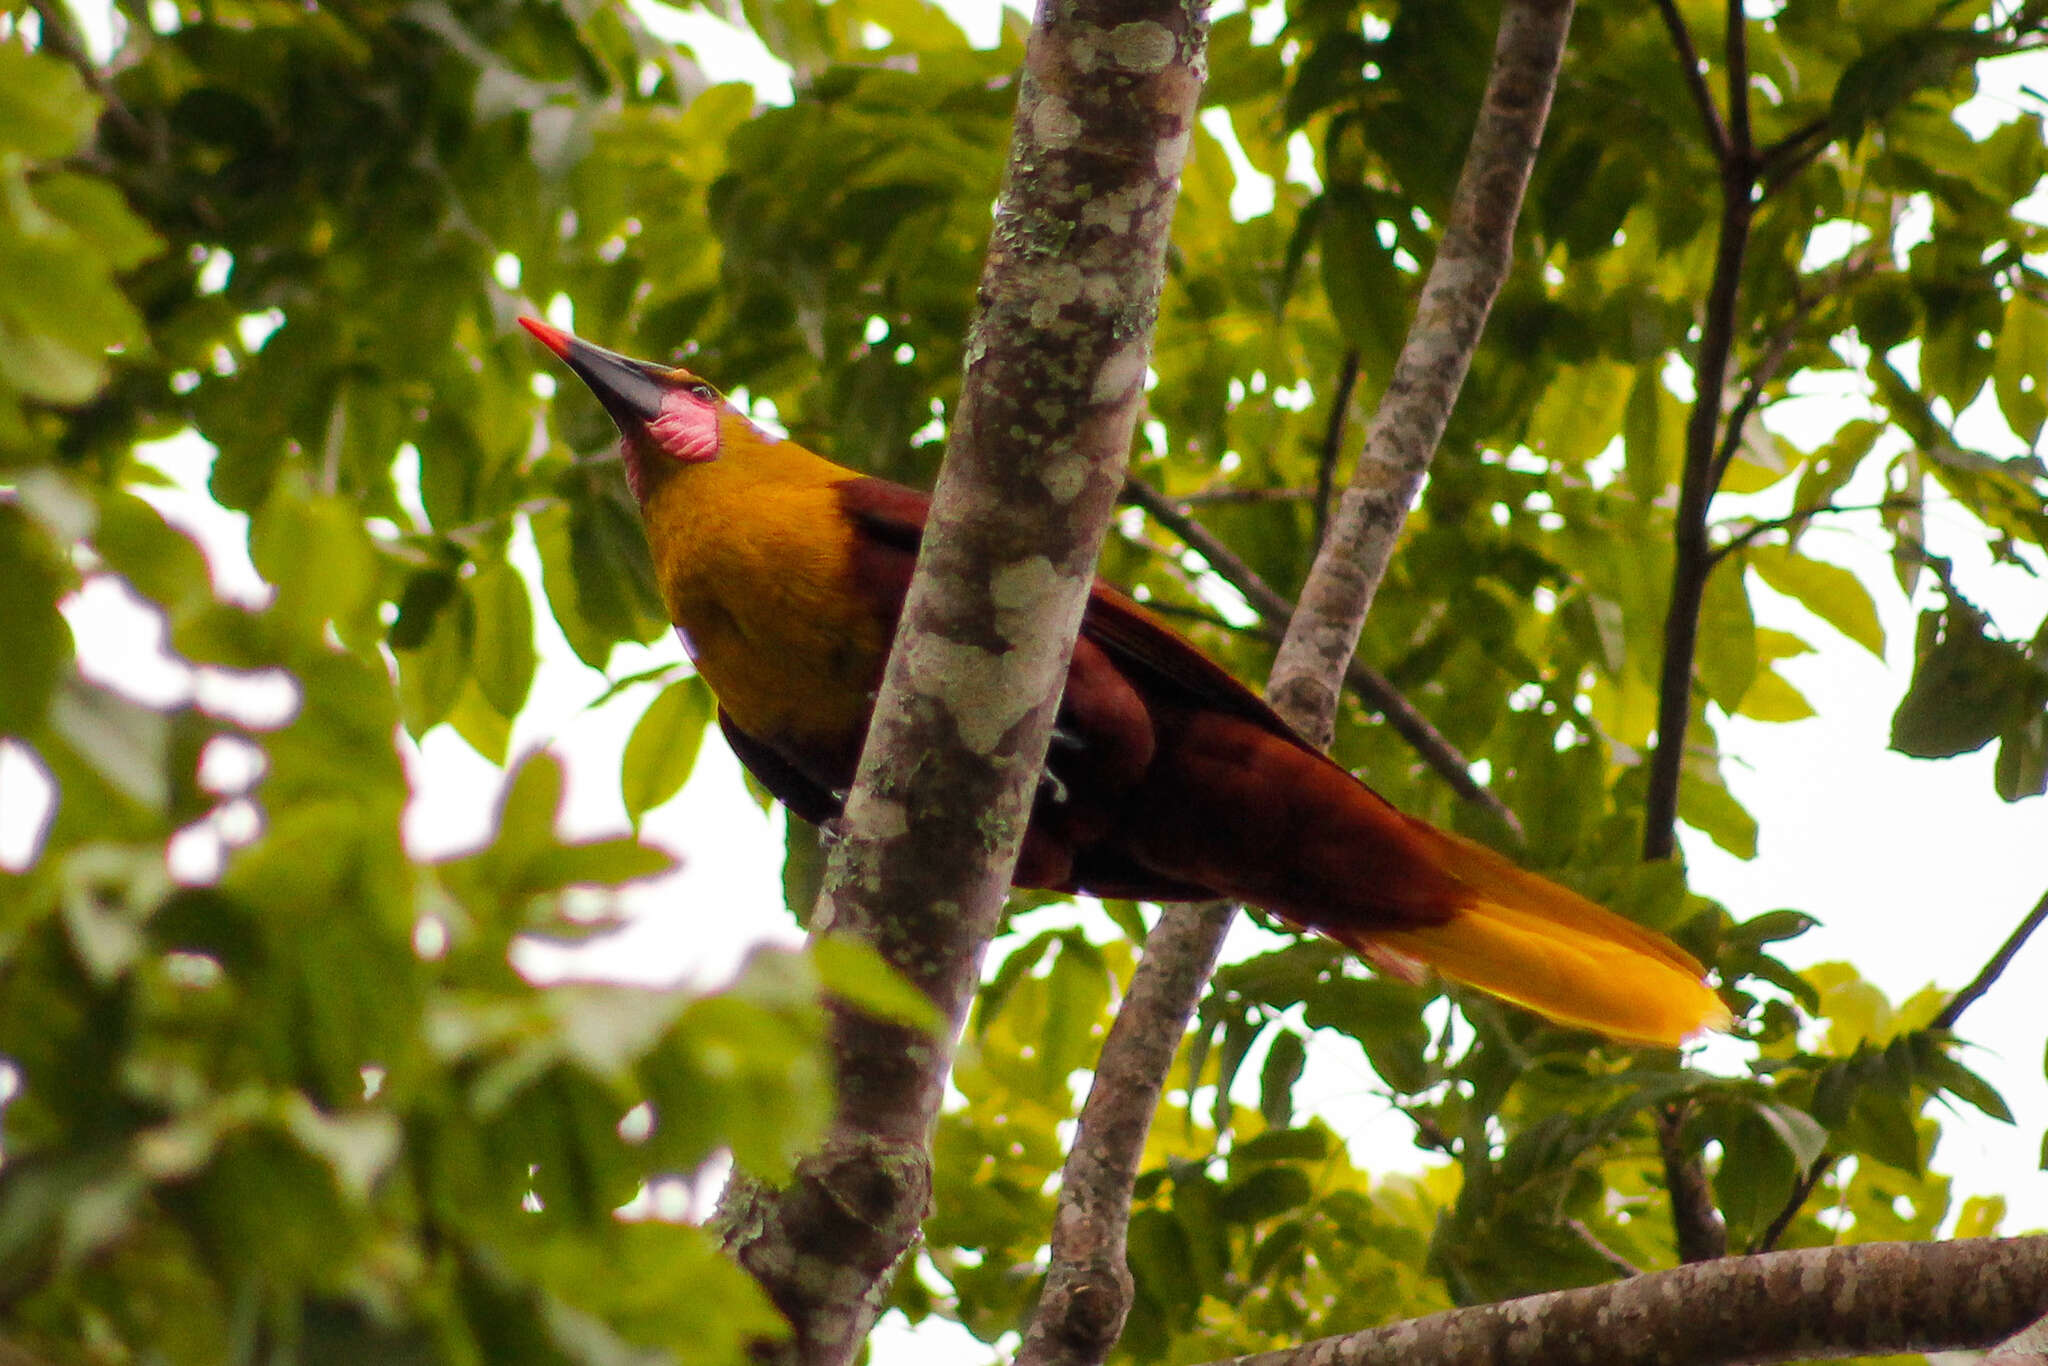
[(754, 557)]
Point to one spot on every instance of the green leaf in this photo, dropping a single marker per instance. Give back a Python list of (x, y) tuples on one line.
[(1263, 1193), (1968, 686), (1727, 659), (1830, 592), (1941, 1072), (45, 110), (662, 750), (2022, 768), (1285, 1057), (1310, 1144), (34, 638), (855, 973), (2019, 367), (503, 656)]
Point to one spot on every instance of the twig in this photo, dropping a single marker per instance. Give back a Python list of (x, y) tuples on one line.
[(1600, 1249), (1087, 1293), (1463, 280), (1991, 971), (1870, 1298), (1333, 440), (1757, 530), (1374, 688), (1741, 150), (1204, 497), (1695, 78), (1801, 1190), (1692, 558), (1702, 1237)]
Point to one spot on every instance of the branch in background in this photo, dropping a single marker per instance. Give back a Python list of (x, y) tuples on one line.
[(1697, 1225), (1095, 1192), (1333, 441), (1035, 456), (1464, 279), (1967, 997), (1601, 1250), (1785, 1306), (1755, 530), (1087, 1292), (1693, 554), (1203, 497), (1372, 686), (1695, 78), (1802, 1189)]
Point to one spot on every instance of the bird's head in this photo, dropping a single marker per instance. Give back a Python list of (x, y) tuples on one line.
[(666, 416)]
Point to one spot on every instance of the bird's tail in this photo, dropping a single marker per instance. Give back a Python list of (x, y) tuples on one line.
[(1526, 939)]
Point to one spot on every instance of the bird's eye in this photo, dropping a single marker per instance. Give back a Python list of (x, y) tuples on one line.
[(702, 392)]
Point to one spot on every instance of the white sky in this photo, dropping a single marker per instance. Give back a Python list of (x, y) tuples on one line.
[(1915, 870)]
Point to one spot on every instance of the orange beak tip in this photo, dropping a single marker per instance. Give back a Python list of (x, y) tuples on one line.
[(553, 338)]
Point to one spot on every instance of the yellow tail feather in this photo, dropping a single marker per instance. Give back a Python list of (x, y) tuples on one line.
[(1530, 941)]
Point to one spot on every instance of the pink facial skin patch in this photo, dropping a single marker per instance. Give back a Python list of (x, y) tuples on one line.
[(687, 429)]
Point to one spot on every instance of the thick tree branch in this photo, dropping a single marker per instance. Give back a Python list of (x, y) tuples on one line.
[(1784, 1306), (1374, 688), (1073, 1328), (1991, 971), (1054, 384)]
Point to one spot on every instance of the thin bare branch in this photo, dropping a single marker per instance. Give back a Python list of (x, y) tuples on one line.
[(1992, 970), (1695, 78), (1373, 688), (1333, 440), (1782, 1306), (1741, 151), (1802, 1190), (1205, 497), (1068, 1327), (1755, 531), (1701, 1234), (1600, 1249)]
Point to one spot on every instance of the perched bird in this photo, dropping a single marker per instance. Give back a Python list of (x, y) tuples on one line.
[(1167, 780)]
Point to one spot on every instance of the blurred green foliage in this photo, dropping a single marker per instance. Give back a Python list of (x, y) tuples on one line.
[(304, 1110)]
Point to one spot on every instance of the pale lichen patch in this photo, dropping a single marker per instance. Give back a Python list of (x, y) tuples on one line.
[(1145, 46), (1122, 374), (1054, 123)]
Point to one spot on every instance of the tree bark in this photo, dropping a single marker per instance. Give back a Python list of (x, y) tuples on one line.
[(1088, 1289), (1781, 1306), (1035, 457)]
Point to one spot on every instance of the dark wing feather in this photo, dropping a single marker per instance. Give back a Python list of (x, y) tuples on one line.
[(787, 783), (1157, 660), (1151, 653)]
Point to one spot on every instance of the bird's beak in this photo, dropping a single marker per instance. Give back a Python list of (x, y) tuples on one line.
[(626, 387)]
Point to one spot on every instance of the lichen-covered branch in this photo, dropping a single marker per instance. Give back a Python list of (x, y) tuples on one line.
[(1783, 1306), (1087, 1288), (1035, 459), (1087, 1292), (1463, 282)]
